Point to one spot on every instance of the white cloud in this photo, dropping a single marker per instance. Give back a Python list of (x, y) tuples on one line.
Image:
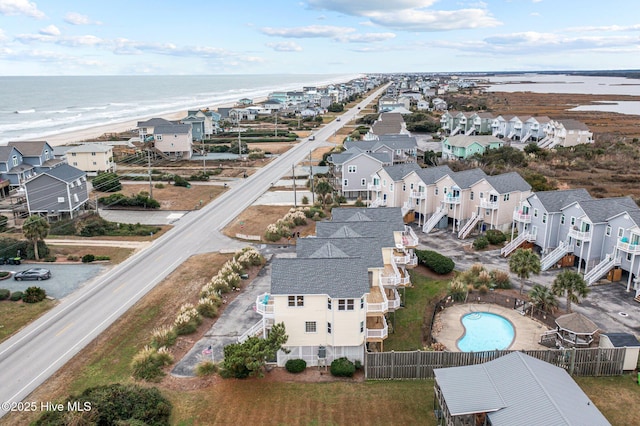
[(606, 28), (20, 7), (285, 46), (74, 18), (365, 38), (311, 31), (3, 37), (51, 30), (412, 15)]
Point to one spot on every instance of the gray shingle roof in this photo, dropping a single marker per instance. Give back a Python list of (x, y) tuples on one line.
[(91, 147), (30, 148), (554, 201), (391, 215), (517, 389), (621, 340), (369, 249), (172, 128), (64, 172), (431, 174), (465, 141), (571, 124), (508, 182), (154, 122), (381, 231), (397, 172), (466, 178), (601, 209), (5, 152), (337, 278)]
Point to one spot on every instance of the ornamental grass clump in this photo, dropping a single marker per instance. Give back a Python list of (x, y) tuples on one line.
[(207, 307), (249, 257), (163, 336), (188, 320), (147, 364)]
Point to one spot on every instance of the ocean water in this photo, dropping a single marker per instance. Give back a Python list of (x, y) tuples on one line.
[(37, 107)]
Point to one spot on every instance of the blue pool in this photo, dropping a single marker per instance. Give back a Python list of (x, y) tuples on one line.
[(485, 332)]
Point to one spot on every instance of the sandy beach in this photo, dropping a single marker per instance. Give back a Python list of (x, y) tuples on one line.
[(97, 131)]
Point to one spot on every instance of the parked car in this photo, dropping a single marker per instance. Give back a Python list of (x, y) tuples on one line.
[(10, 260), (33, 274)]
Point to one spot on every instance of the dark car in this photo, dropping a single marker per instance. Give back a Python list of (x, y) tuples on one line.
[(10, 260), (33, 274)]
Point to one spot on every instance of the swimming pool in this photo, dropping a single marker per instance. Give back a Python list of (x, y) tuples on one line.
[(485, 331)]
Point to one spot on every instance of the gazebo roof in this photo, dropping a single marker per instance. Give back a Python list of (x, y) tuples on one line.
[(576, 323)]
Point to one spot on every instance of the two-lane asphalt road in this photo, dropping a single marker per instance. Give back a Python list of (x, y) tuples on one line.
[(31, 356)]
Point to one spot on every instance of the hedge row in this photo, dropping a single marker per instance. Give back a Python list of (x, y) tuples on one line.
[(435, 261)]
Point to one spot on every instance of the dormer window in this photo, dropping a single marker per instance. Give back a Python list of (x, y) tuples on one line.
[(14, 160)]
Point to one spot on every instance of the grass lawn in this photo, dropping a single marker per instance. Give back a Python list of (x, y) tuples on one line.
[(15, 315), (407, 333), (116, 254), (616, 397)]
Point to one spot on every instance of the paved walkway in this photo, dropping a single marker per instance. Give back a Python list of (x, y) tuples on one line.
[(146, 217), (100, 243)]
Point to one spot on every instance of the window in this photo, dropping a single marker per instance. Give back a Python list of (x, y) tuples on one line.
[(562, 220), (351, 169), (329, 303), (75, 198), (404, 187), (363, 182), (61, 199), (362, 303), (384, 183), (391, 187), (608, 231), (481, 195), (505, 197), (94, 163), (535, 212), (361, 326), (329, 328), (73, 154), (345, 304), (93, 153), (346, 182), (620, 232), (411, 186), (310, 327), (629, 257), (15, 160), (436, 191), (578, 243), (471, 195), (544, 218), (75, 163), (296, 301), (444, 190), (573, 220), (158, 137)]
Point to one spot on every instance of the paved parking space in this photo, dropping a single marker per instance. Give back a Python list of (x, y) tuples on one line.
[(65, 278)]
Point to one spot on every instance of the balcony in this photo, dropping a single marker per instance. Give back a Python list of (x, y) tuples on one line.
[(373, 187), (419, 195), (377, 329), (264, 305), (405, 278), (377, 302), (450, 199), (580, 235), (518, 216), (409, 238), (390, 276), (394, 298), (628, 247), (486, 204)]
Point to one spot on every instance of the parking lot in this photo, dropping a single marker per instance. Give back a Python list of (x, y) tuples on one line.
[(65, 278)]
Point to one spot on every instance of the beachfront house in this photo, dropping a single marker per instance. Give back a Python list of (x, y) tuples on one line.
[(12, 168), (462, 147), (57, 193), (145, 128), (510, 390), (91, 157), (173, 140), (38, 154), (204, 123)]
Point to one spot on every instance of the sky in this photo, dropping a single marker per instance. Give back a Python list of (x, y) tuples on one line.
[(170, 37)]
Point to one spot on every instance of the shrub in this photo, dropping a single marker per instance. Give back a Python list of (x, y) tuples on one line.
[(33, 295), (180, 181), (435, 261), (50, 258), (207, 307), (113, 404), (305, 200), (342, 367), (359, 202), (159, 185), (107, 182), (163, 336), (495, 237), (501, 279), (295, 365), (457, 290), (4, 293), (4, 274), (483, 289), (187, 320), (206, 368), (480, 243), (15, 296), (73, 258), (88, 258), (147, 364), (102, 258)]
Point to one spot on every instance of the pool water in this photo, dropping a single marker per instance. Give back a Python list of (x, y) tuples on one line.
[(485, 332)]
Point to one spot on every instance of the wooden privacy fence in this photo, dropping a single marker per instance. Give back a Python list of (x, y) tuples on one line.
[(420, 365)]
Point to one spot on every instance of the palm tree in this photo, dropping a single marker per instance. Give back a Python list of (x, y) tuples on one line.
[(35, 228), (322, 188), (572, 285), (543, 298), (523, 262)]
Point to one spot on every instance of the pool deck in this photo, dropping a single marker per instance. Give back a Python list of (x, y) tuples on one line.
[(448, 328)]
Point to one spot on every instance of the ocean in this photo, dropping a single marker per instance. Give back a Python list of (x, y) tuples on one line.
[(32, 108)]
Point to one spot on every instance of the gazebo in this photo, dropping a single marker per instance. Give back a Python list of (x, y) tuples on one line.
[(575, 330)]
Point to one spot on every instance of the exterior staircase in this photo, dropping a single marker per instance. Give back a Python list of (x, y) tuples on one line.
[(433, 220), (468, 227), (511, 134), (455, 131), (526, 137), (544, 142), (471, 131), (515, 243), (406, 208), (557, 254), (377, 203), (601, 269)]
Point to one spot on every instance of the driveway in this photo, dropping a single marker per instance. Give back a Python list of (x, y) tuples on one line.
[(65, 278), (146, 217), (237, 318)]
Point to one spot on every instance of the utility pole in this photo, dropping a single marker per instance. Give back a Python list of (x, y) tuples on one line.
[(239, 139), (276, 123), (313, 197), (295, 197), (204, 158), (149, 169)]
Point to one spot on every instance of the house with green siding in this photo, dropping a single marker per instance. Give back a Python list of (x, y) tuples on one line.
[(460, 147)]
